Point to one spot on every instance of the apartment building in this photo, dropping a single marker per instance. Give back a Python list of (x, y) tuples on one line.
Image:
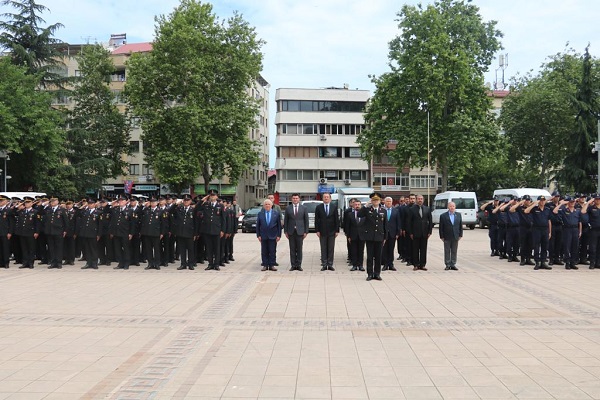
[(316, 141)]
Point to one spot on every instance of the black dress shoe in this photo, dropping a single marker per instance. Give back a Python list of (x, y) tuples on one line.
[(299, 269), (447, 269), (201, 261), (361, 269), (323, 268), (225, 262), (385, 268), (529, 262), (392, 268), (377, 278), (208, 268), (181, 267), (370, 277), (272, 269), (354, 268), (422, 268), (231, 259), (453, 268), (292, 268), (266, 269), (331, 268), (573, 266), (276, 264), (216, 268), (119, 267), (191, 268), (157, 267), (149, 267)]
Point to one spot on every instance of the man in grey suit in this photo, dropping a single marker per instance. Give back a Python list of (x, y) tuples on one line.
[(295, 226), (450, 232)]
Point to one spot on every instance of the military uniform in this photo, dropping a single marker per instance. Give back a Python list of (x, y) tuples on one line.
[(136, 240), (105, 246), (592, 212), (89, 230), (556, 243), (6, 231), (212, 227), (27, 227), (186, 228), (153, 226), (69, 242), (122, 228), (55, 227), (227, 240), (373, 231)]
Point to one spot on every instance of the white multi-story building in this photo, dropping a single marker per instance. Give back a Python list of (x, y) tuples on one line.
[(316, 141)]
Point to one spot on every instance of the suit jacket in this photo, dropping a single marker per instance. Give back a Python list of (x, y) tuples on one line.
[(327, 225), (394, 224), (419, 226), (272, 230), (352, 224), (295, 223), (449, 230)]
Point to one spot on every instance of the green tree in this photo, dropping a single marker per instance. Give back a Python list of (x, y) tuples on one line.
[(191, 95), (580, 165), (538, 117), (437, 64), (29, 44), (97, 132), (30, 132)]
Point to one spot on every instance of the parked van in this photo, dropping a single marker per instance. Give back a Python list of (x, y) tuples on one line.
[(21, 195), (466, 205), (520, 192), (311, 206)]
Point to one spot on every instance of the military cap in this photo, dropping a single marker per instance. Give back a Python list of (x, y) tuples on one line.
[(187, 197), (173, 197), (569, 198), (161, 198), (134, 198), (91, 200), (121, 197), (213, 192), (556, 193), (541, 197), (527, 197), (507, 199), (582, 195), (53, 198), (69, 202), (596, 196), (28, 199), (152, 199), (376, 196), (103, 200), (44, 199), (3, 197), (496, 198)]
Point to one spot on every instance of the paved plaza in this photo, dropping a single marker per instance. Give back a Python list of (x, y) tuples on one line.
[(492, 330)]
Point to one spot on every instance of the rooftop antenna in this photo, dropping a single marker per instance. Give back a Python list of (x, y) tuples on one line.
[(87, 39), (503, 64)]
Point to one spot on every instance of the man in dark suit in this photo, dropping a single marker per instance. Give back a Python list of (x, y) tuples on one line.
[(356, 245), (419, 227), (327, 227), (451, 231), (394, 226), (295, 226), (268, 232)]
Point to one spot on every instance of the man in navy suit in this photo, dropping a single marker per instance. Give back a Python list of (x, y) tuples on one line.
[(419, 227), (268, 232), (327, 227), (450, 232), (394, 227)]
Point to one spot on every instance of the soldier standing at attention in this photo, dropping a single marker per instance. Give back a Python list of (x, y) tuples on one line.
[(185, 223), (212, 228), (69, 242), (373, 231), (55, 226), (6, 231), (27, 227), (89, 230), (153, 227), (121, 228), (541, 230), (570, 230)]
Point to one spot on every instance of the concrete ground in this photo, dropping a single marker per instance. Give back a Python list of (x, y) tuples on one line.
[(492, 330)]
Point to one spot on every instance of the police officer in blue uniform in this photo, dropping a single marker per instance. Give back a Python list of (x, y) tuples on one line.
[(570, 229), (591, 210), (556, 243), (492, 219), (525, 234), (512, 230), (502, 215), (541, 230)]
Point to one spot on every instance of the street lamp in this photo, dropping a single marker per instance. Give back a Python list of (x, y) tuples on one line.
[(428, 162), (4, 155)]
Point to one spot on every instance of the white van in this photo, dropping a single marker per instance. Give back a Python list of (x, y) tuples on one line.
[(311, 206), (466, 205), (520, 192), (21, 195)]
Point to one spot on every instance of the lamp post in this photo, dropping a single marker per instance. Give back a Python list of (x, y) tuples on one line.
[(4, 155), (428, 163)]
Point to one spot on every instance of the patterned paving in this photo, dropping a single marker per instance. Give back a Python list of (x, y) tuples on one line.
[(492, 330)]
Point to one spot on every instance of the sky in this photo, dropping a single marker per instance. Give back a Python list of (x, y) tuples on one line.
[(324, 43)]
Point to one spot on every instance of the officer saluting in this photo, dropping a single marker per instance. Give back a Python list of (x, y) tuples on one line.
[(185, 228), (55, 226), (153, 227), (373, 232), (6, 231), (27, 227), (89, 230), (122, 228), (212, 227)]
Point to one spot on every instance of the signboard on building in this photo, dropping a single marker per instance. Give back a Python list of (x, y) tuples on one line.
[(146, 188), (326, 189), (108, 188), (391, 188), (355, 152), (331, 174)]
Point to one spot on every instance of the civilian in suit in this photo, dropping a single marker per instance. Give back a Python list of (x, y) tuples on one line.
[(327, 226), (373, 230), (408, 243), (268, 232), (394, 226), (352, 223), (295, 226), (419, 227), (451, 231)]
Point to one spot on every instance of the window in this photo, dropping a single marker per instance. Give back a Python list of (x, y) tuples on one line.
[(321, 106), (357, 175), (421, 181), (147, 170), (330, 152), (134, 169), (118, 96), (392, 179), (134, 146), (352, 152), (441, 204), (332, 175)]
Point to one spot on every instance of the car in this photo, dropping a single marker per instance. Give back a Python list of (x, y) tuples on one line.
[(249, 219), (465, 202), (311, 206), (482, 217), (240, 219)]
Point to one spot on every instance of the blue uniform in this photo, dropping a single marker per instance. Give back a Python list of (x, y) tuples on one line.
[(592, 219), (525, 235), (512, 235), (570, 234), (540, 218)]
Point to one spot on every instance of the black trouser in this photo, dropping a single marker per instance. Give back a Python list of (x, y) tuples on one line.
[(15, 248), (105, 249), (69, 249), (525, 242), (357, 252), (400, 246), (171, 244), (570, 242), (164, 250), (493, 234), (90, 251), (122, 250), (28, 247), (501, 239), (200, 249), (55, 249), (213, 246), (78, 251), (594, 245), (296, 241), (512, 241), (230, 255), (41, 250), (185, 246), (387, 253), (135, 249), (583, 243), (556, 245), (419, 251), (152, 249), (408, 249), (327, 248), (540, 243), (4, 251), (374, 257)]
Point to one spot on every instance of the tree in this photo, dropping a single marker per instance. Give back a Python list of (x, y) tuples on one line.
[(30, 45), (30, 131), (97, 133), (437, 64), (191, 95), (580, 165), (537, 119)]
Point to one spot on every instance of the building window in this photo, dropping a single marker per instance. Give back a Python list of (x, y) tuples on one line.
[(147, 170), (118, 97), (391, 179), (421, 181), (134, 169), (321, 106), (357, 175), (332, 175), (134, 146), (330, 152)]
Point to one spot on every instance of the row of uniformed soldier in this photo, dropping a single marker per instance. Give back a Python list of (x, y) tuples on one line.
[(562, 231), (122, 230)]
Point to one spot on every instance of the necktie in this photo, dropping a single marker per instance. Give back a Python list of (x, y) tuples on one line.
[(295, 210), (268, 217), (421, 211), (389, 213), (327, 209)]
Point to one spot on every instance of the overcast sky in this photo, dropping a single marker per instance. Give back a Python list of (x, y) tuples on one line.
[(321, 43)]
